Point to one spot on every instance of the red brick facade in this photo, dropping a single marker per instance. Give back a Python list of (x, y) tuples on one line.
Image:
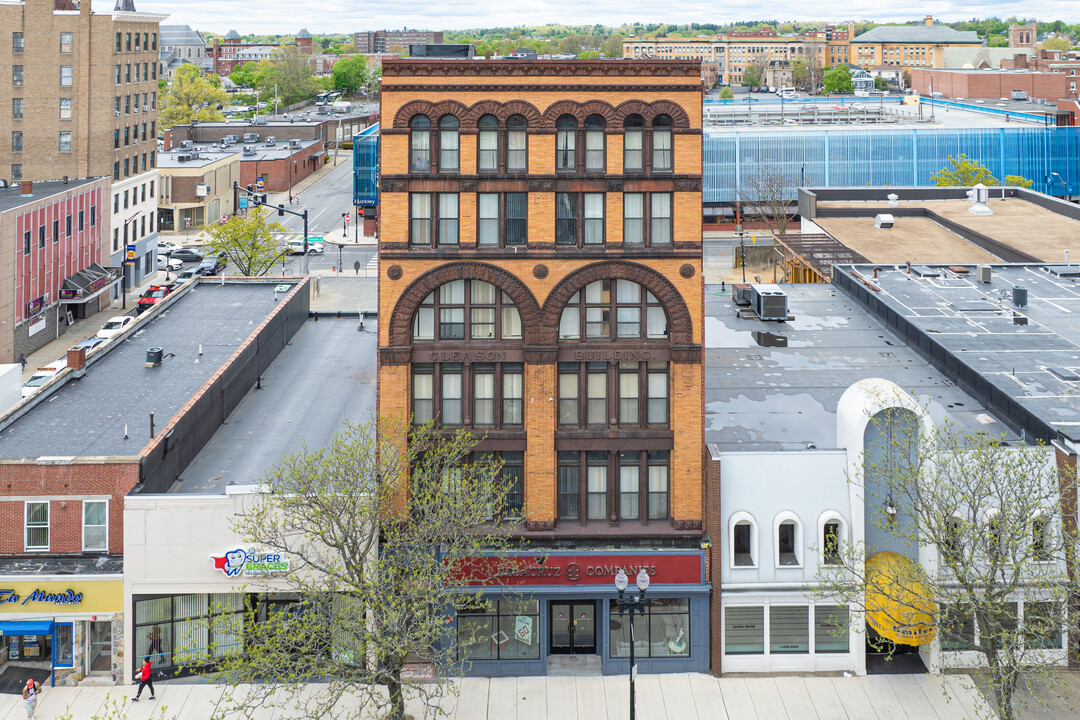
[(995, 84)]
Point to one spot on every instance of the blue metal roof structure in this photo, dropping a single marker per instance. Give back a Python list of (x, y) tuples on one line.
[(366, 167)]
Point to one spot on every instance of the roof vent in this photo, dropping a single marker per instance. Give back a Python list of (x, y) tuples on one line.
[(892, 198), (979, 195), (884, 221)]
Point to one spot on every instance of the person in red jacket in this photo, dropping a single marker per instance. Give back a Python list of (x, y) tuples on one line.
[(145, 681)]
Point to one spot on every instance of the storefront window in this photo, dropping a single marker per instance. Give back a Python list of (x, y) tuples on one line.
[(789, 629), (744, 630), (502, 630), (664, 630), (63, 637), (188, 628), (831, 629)]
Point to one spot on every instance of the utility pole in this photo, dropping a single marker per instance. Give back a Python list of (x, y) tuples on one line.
[(260, 199)]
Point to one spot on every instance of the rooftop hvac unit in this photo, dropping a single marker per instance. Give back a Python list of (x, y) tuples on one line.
[(984, 273), (740, 294), (233, 138), (183, 157), (186, 144), (294, 143), (251, 137), (769, 302), (249, 150), (884, 221), (271, 140)]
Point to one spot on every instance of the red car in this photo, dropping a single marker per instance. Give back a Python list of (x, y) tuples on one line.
[(153, 295)]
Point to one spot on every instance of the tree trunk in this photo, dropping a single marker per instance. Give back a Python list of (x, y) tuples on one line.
[(397, 696)]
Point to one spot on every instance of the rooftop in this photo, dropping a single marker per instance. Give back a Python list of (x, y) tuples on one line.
[(917, 34), (1025, 359), (12, 197), (206, 156), (88, 416), (324, 376), (179, 35), (775, 386), (41, 566)]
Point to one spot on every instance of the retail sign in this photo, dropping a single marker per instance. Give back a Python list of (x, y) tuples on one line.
[(35, 306), (599, 569), (36, 326), (249, 562), (101, 596), (523, 628)]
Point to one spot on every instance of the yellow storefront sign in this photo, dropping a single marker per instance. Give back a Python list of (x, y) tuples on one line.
[(104, 596), (899, 606)]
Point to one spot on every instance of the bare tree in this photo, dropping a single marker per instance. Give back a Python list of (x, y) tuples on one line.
[(994, 544), (381, 530), (773, 197)]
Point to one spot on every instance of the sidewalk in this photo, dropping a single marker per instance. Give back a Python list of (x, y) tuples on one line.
[(659, 697)]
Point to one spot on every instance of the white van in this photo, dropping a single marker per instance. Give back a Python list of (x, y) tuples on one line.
[(296, 247), (787, 93)]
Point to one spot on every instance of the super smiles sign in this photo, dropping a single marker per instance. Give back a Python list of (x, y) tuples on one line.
[(249, 562)]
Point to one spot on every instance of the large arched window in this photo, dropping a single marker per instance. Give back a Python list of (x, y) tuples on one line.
[(787, 540), (743, 540), (420, 143), (449, 160), (594, 143), (634, 144), (566, 144), (467, 310), (517, 148), (831, 537), (607, 310), (487, 144), (662, 156)]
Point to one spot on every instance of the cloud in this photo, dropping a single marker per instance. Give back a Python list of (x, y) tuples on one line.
[(282, 17)]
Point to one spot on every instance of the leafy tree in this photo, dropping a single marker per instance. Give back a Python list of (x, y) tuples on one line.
[(245, 75), (588, 55), (1056, 43), (754, 74), (612, 46), (906, 78), (726, 94), (987, 520), (290, 71), (350, 74), (248, 241), (376, 566), (1017, 181), (963, 172), (571, 45), (997, 41), (880, 84), (838, 80), (190, 97)]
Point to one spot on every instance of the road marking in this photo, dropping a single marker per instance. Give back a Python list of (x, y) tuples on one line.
[(372, 265)]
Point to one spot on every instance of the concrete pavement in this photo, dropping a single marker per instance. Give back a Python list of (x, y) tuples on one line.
[(659, 697)]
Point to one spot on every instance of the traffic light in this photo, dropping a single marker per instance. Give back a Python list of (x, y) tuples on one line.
[(262, 199), (251, 188), (281, 210)]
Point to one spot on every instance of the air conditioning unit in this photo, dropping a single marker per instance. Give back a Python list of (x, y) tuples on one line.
[(884, 221), (249, 150), (271, 140), (186, 144), (202, 190), (146, 107), (183, 157), (294, 143), (251, 137), (117, 113), (769, 302), (984, 273), (740, 294)]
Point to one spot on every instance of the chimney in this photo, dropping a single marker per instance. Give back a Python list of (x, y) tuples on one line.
[(26, 188), (76, 360), (929, 20), (851, 31)]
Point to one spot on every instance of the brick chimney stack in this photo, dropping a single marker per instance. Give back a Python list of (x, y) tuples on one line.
[(929, 20), (26, 188)]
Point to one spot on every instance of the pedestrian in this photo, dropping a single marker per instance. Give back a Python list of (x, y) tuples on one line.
[(155, 641), (22, 361), (30, 695), (144, 681)]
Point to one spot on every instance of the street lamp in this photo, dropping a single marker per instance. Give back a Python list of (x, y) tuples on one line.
[(631, 605)]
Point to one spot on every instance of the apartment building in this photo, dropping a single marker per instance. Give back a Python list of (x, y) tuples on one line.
[(381, 41), (540, 270)]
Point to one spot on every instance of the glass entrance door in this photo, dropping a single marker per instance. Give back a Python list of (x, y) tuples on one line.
[(99, 657), (573, 628)]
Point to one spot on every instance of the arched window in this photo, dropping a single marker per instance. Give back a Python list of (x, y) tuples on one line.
[(594, 143), (662, 144), (566, 144), (517, 159), (633, 144), (788, 540), (831, 536), (487, 143), (607, 310), (420, 143), (487, 392), (743, 540), (448, 144)]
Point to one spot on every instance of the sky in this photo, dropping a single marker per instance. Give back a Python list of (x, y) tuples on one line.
[(286, 17)]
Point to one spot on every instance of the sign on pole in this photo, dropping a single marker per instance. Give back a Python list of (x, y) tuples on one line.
[(348, 217), (130, 254)]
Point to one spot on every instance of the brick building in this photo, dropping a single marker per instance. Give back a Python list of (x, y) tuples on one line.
[(995, 83), (540, 280), (909, 46), (226, 54), (394, 41)]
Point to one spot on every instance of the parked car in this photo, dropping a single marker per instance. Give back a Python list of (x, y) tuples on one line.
[(153, 294), (164, 262), (41, 376), (187, 275), (186, 255), (165, 247), (296, 247), (114, 326), (89, 343), (211, 266)]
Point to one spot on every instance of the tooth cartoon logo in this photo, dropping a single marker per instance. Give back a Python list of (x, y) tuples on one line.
[(231, 563)]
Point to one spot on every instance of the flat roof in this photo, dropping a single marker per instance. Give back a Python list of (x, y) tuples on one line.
[(1017, 223), (1024, 357), (171, 158), (88, 416), (12, 197), (775, 386), (39, 566), (325, 375)]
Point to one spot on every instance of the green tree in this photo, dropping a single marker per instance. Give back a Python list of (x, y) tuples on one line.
[(880, 84), (190, 97), (290, 72), (612, 46), (350, 74), (375, 564), (571, 45), (245, 75), (726, 94), (588, 55), (963, 172), (997, 41), (1017, 181), (987, 520), (754, 74), (1056, 43), (248, 241), (838, 80)]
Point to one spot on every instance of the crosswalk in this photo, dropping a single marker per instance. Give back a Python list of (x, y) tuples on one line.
[(372, 269)]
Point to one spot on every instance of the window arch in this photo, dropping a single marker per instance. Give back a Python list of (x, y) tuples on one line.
[(449, 138), (787, 540), (832, 536), (566, 143), (662, 156), (634, 144), (606, 310), (487, 144), (595, 143), (420, 143), (517, 149), (743, 540), (467, 310)]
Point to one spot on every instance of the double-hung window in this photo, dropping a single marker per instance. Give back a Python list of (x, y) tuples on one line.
[(587, 206), (487, 143), (594, 143), (517, 144), (95, 536), (449, 137), (420, 144), (662, 160), (37, 526), (566, 144), (505, 214), (634, 144)]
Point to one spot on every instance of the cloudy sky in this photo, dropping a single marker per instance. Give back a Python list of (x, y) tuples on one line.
[(288, 16)]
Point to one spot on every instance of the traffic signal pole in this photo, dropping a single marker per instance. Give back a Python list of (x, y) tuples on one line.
[(260, 199)]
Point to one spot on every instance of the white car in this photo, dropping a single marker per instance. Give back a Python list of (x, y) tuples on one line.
[(164, 246), (164, 262), (115, 326), (41, 376)]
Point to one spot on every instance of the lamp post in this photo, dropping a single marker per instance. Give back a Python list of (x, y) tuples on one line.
[(631, 605)]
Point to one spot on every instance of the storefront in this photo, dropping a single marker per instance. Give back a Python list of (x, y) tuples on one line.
[(563, 603), (70, 627)]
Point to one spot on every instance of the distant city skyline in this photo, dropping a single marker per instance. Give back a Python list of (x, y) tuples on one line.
[(278, 17)]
